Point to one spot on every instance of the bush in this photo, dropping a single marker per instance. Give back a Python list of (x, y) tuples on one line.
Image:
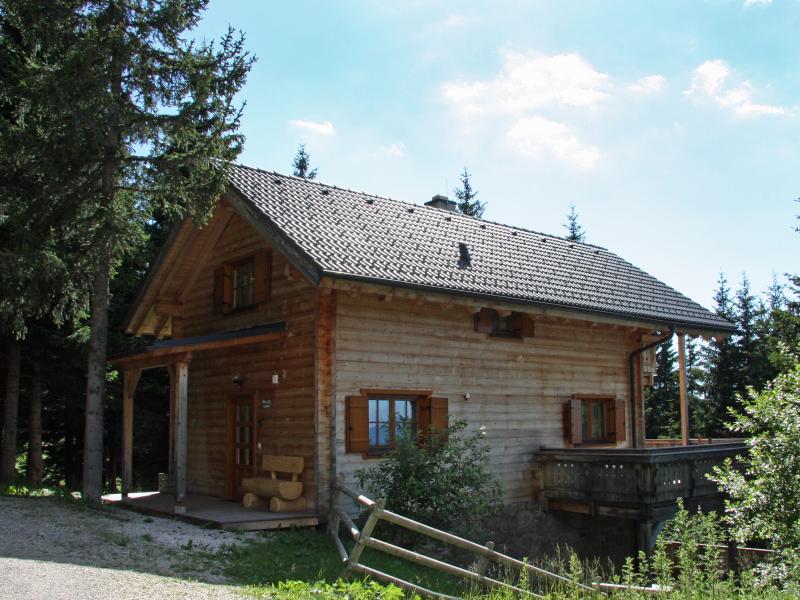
[(764, 490), (439, 478)]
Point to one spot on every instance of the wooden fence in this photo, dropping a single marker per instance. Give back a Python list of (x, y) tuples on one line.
[(486, 555)]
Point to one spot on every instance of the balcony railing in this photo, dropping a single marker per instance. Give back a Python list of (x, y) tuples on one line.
[(637, 483)]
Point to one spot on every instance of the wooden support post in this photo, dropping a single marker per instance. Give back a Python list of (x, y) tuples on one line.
[(683, 391), (130, 379), (483, 561), (181, 433), (173, 395)]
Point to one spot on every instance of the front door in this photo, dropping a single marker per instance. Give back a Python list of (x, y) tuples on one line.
[(241, 443)]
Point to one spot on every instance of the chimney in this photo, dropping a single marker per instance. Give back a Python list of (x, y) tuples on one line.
[(442, 202)]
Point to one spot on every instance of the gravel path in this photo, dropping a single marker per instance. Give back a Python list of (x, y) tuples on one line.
[(52, 549)]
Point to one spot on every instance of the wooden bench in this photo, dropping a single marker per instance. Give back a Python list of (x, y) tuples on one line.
[(280, 494)]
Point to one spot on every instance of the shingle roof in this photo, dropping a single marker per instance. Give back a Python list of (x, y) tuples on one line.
[(354, 235)]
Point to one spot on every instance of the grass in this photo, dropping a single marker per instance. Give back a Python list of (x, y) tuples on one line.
[(299, 558)]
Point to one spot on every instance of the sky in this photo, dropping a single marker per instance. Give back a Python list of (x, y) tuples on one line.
[(673, 127)]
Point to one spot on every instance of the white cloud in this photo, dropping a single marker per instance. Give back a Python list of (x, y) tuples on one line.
[(397, 150), (325, 128), (652, 84), (536, 137), (709, 81), (749, 3), (530, 81)]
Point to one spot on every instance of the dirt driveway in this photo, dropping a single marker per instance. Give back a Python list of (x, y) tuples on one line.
[(51, 548)]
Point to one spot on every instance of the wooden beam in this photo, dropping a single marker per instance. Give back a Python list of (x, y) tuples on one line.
[(181, 433), (130, 379), (161, 356), (683, 390), (215, 231), (169, 309)]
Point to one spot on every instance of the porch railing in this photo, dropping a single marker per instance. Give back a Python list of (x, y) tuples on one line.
[(639, 483)]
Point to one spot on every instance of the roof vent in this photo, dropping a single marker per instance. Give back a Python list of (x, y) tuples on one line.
[(441, 202), (464, 259)]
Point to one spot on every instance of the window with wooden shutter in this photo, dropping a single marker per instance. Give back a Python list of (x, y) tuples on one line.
[(243, 283), (376, 419), (594, 419), (513, 325)]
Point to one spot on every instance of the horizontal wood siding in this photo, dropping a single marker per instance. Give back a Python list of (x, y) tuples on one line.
[(288, 426), (517, 387)]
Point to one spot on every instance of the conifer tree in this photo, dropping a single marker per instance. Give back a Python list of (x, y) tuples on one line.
[(575, 232), (721, 370), (467, 198), (131, 117), (662, 410), (302, 164)]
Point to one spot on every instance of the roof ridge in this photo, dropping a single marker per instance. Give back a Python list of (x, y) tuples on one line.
[(415, 205)]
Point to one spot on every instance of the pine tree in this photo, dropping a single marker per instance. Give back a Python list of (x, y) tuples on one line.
[(575, 232), (130, 117), (721, 368), (467, 198), (302, 164), (662, 409)]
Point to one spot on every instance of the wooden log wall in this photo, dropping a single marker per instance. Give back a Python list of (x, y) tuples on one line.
[(517, 387), (288, 427)]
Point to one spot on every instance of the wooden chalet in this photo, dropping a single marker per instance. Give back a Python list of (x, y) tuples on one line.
[(307, 320)]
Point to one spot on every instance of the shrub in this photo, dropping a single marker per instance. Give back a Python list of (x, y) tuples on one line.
[(439, 478), (764, 502)]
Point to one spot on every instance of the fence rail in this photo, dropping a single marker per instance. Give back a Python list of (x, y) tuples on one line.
[(486, 554)]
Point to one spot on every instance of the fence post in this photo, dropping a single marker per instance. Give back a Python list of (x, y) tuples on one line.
[(483, 561), (363, 537)]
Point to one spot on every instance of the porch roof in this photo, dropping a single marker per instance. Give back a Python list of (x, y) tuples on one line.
[(163, 352)]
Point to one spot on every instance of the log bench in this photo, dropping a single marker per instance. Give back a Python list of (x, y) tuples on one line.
[(277, 493)]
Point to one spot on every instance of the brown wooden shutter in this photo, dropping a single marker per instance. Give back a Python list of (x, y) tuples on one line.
[(219, 291), (522, 325), (610, 412), (438, 413), (485, 320), (424, 413), (357, 423), (262, 268), (619, 416), (575, 421)]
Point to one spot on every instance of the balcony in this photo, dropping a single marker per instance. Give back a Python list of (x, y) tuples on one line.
[(636, 483)]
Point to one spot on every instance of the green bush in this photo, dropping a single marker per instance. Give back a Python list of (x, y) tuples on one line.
[(439, 478), (764, 489)]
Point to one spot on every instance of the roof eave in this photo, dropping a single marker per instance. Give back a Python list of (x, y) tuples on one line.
[(691, 328)]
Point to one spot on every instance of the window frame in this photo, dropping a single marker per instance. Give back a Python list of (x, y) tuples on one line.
[(380, 449), (251, 285), (516, 325), (614, 419)]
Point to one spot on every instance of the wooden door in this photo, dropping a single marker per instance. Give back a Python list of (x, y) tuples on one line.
[(240, 447)]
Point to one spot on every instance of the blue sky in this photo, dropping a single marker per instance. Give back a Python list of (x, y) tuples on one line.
[(673, 127)]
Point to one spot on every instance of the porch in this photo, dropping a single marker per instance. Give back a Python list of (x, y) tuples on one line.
[(642, 484), (211, 511)]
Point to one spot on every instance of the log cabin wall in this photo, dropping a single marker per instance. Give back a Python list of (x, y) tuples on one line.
[(288, 427), (517, 387)]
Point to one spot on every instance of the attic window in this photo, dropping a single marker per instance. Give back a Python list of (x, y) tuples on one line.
[(512, 325), (242, 283)]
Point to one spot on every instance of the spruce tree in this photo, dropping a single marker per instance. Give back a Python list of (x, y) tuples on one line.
[(302, 164), (131, 117), (467, 198), (575, 232), (662, 409), (721, 367)]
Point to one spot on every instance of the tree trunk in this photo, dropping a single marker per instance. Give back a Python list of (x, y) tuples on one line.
[(35, 462), (96, 385), (8, 454)]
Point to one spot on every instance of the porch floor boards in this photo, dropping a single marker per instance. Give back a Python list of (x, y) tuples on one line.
[(209, 510)]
